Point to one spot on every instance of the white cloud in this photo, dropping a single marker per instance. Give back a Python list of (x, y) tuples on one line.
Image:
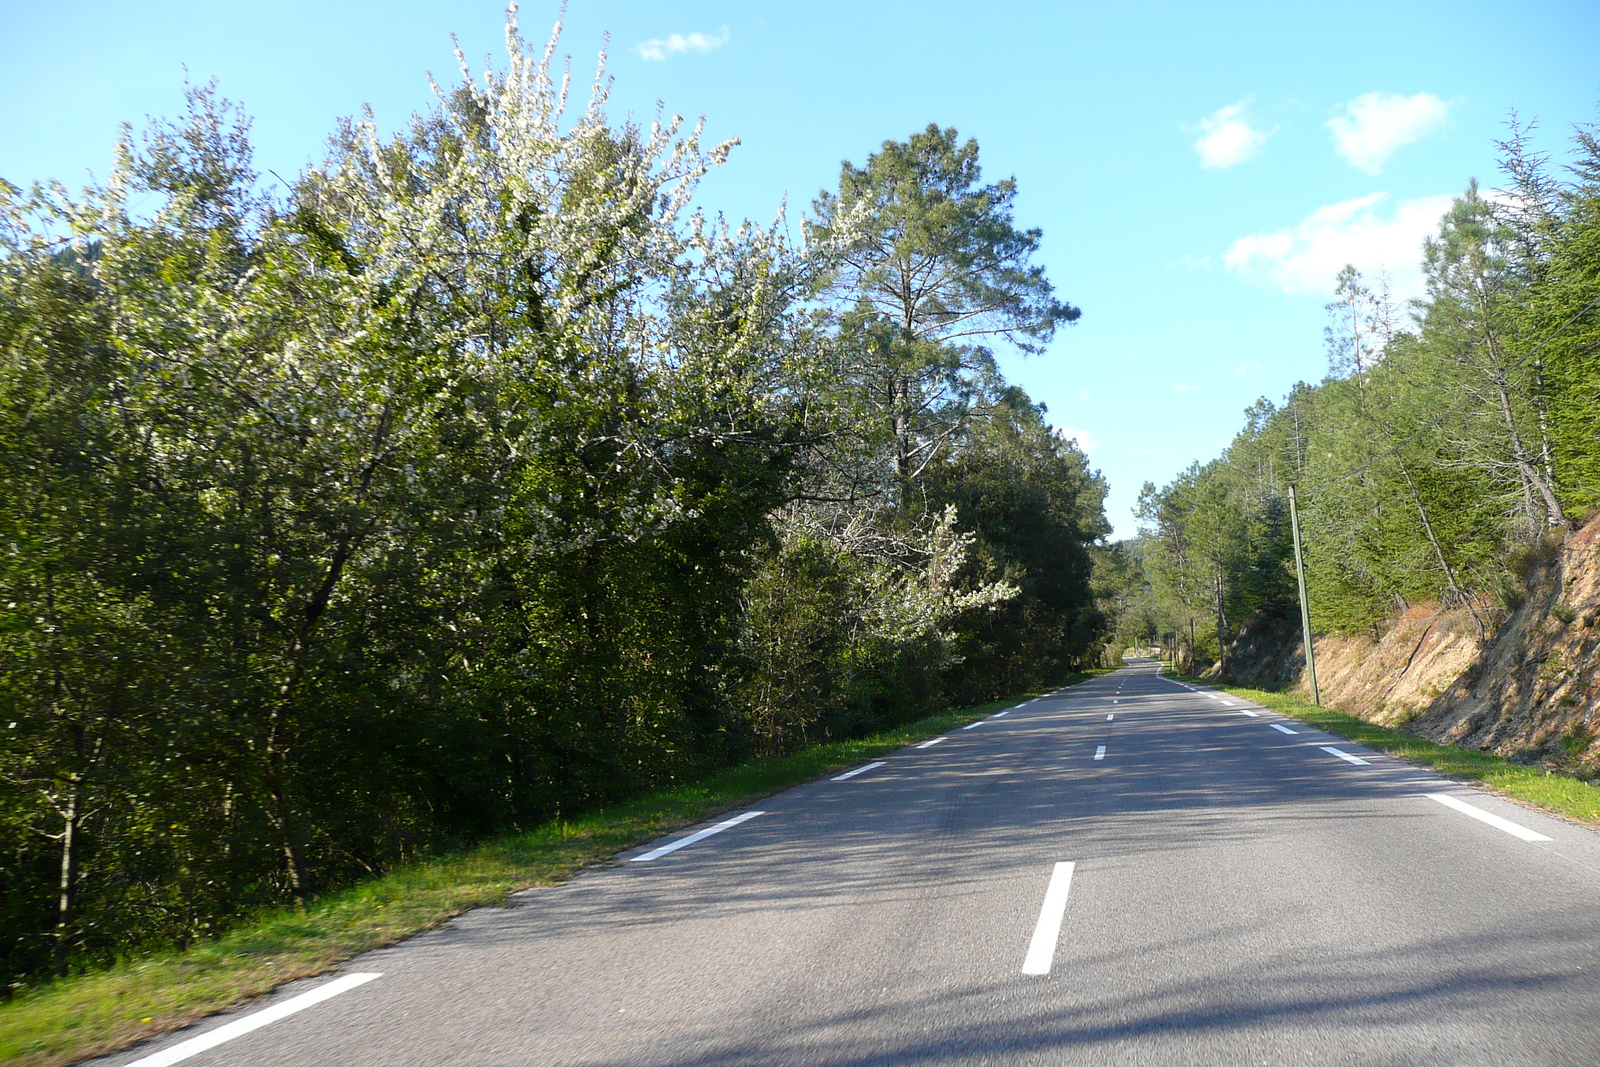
[(1374, 125), (1086, 441), (673, 44), (1245, 370), (1366, 232), (1227, 138)]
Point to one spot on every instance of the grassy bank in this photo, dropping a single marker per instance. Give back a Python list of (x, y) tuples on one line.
[(102, 1011), (1551, 790)]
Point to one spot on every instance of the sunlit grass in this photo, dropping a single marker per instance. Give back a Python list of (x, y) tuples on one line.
[(102, 1011)]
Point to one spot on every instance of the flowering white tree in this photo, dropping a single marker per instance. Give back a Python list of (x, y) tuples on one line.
[(839, 605)]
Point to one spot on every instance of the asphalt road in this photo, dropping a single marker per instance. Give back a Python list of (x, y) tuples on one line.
[(1236, 895)]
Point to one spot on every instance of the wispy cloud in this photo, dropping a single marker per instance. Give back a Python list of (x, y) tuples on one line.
[(1245, 370), (1185, 388), (1367, 231), (1375, 125), (661, 49), (1087, 442), (1227, 138)]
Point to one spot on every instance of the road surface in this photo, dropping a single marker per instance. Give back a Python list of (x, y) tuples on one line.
[(1129, 871)]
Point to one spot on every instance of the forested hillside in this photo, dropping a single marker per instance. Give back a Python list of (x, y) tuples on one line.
[(476, 479), (1452, 445)]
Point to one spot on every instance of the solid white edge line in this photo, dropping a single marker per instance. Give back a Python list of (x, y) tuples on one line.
[(254, 1021), (1488, 817), (1100, 753), (657, 853), (1042, 949), (1285, 729), (1330, 750), (934, 741), (859, 770)]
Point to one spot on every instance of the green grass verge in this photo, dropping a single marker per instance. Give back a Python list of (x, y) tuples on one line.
[(1542, 788), (103, 1011)]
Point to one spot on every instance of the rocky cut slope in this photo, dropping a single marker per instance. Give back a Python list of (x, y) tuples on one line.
[(1528, 689)]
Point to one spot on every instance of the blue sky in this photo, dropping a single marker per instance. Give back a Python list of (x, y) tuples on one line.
[(1199, 174)]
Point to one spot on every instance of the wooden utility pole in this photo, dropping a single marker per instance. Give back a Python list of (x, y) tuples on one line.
[(1305, 607)]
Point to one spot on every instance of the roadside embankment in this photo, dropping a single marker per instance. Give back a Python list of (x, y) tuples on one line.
[(1389, 680), (1527, 689)]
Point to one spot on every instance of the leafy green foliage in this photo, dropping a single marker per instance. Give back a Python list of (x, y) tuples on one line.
[(1432, 457), (476, 483), (1565, 312), (936, 541), (1036, 509), (930, 267)]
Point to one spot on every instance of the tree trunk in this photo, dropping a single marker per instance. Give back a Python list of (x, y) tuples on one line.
[(1530, 476), (70, 818), (1533, 480), (276, 750), (1544, 423), (899, 392), (1222, 625), (1438, 551), (280, 812)]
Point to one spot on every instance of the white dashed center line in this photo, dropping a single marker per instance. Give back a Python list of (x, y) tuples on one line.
[(1047, 931), (1330, 750), (860, 770), (1283, 729), (1100, 753), (934, 741), (1252, 714)]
